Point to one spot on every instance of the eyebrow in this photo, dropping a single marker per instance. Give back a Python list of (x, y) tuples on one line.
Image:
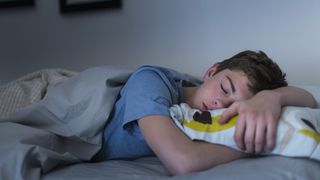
[(231, 84)]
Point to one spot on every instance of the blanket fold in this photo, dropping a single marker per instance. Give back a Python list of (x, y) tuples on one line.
[(63, 127), (29, 89)]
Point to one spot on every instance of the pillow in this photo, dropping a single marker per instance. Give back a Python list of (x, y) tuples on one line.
[(297, 134)]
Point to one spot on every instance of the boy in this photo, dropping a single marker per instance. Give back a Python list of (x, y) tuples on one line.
[(249, 83)]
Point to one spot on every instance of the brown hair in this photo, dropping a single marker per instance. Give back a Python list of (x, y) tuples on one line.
[(262, 72)]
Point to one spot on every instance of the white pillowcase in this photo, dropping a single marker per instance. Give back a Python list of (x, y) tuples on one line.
[(297, 134)]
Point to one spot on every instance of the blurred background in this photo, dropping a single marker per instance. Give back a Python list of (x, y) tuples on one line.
[(187, 35)]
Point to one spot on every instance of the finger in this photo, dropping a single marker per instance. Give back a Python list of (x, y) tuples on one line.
[(229, 113), (249, 136), (259, 138), (271, 136), (239, 132)]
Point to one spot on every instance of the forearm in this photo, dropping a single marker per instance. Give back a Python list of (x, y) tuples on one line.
[(178, 153), (293, 96), (203, 155)]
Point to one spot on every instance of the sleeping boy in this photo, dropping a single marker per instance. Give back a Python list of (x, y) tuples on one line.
[(249, 83)]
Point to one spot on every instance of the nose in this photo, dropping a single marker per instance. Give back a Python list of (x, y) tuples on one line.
[(220, 103), (217, 103)]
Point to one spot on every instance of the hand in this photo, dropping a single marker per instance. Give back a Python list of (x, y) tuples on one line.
[(257, 121)]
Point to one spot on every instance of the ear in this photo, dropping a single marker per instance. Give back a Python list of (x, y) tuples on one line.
[(210, 72)]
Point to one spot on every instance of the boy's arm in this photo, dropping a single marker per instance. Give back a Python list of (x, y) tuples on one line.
[(294, 96), (178, 153), (258, 117)]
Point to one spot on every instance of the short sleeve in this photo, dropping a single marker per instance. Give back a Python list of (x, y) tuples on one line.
[(147, 92)]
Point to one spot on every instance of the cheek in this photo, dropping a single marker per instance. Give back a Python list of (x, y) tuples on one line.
[(211, 90), (208, 93)]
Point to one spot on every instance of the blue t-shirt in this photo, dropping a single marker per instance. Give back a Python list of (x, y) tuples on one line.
[(149, 91)]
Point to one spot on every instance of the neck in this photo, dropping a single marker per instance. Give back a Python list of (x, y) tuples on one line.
[(188, 93)]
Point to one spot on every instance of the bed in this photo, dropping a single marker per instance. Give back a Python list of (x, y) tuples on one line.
[(40, 143)]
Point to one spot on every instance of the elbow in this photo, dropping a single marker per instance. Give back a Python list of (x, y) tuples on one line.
[(183, 164), (314, 103), (179, 170)]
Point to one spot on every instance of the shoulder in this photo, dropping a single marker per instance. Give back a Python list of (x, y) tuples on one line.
[(147, 76), (152, 83), (147, 73), (155, 72)]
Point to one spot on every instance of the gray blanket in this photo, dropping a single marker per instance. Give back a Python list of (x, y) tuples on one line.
[(62, 128)]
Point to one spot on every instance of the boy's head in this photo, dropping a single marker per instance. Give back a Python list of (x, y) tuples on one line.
[(235, 79), (261, 71)]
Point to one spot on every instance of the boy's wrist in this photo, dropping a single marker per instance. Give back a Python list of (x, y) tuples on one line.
[(278, 94)]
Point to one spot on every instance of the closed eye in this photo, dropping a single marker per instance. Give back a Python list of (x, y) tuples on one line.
[(223, 90)]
